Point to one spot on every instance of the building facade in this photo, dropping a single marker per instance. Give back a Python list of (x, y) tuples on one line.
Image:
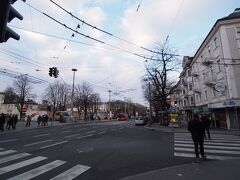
[(210, 80)]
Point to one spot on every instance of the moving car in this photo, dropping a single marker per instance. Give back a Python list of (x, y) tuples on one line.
[(140, 120)]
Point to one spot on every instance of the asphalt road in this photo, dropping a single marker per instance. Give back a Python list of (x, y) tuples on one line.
[(102, 150)]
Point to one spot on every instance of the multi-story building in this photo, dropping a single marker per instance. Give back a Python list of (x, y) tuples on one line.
[(212, 76)]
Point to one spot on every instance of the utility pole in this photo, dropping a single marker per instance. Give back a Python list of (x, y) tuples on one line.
[(74, 70), (109, 104), (150, 103)]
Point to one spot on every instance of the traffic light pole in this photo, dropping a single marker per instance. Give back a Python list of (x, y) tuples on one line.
[(72, 117)]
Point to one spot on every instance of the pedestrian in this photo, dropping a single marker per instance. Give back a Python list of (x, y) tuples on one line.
[(28, 121), (46, 119), (2, 121), (207, 123), (15, 120), (39, 120), (196, 128), (8, 121)]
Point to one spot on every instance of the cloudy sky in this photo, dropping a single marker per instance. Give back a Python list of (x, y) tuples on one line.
[(111, 65)]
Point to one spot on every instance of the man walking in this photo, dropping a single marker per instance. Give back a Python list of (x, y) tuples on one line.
[(28, 121), (196, 128), (207, 123), (2, 121)]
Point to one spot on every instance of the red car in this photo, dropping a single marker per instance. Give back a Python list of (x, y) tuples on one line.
[(121, 119)]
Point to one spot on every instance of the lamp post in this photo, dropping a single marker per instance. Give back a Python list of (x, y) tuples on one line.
[(109, 104), (74, 70)]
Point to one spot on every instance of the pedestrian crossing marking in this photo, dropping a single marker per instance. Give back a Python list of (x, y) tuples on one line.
[(69, 174), (220, 147), (21, 164), (72, 173), (38, 171), (7, 152), (13, 157)]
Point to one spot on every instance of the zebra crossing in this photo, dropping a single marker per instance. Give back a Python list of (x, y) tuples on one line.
[(220, 147), (11, 160)]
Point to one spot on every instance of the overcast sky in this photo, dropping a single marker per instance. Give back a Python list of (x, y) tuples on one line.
[(110, 66)]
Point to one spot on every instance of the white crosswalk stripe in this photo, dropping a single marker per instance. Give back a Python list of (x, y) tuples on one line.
[(220, 147), (72, 173), (21, 160), (37, 171)]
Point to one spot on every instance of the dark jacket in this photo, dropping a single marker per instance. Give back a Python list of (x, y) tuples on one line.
[(206, 122), (196, 128)]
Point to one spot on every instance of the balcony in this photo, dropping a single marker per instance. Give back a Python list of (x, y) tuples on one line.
[(197, 90), (207, 62), (195, 74), (209, 81)]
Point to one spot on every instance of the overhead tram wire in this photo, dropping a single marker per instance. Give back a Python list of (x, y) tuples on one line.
[(64, 25), (108, 33)]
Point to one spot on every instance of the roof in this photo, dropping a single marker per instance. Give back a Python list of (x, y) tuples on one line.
[(234, 15)]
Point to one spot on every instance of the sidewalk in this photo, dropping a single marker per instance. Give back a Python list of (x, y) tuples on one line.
[(207, 170), (183, 129), (34, 125)]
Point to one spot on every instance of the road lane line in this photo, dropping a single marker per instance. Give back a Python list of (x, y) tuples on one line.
[(7, 152), (42, 135), (43, 147), (72, 173), (38, 171), (102, 132), (66, 131), (90, 132), (72, 135), (8, 140), (13, 157), (21, 164), (212, 140), (81, 137), (38, 142), (1, 149)]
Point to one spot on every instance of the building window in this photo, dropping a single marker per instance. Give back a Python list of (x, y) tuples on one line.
[(189, 73), (191, 100), (215, 43), (206, 95), (218, 66), (196, 98), (185, 103), (190, 86)]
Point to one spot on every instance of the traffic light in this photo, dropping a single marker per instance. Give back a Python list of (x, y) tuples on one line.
[(7, 13), (55, 72), (51, 72)]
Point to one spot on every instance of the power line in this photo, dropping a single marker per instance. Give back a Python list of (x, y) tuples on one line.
[(64, 25), (108, 33)]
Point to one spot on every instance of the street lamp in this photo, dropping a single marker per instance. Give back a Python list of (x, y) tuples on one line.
[(110, 113), (74, 70)]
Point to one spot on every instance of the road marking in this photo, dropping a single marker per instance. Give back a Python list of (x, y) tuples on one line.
[(90, 132), (102, 132), (1, 149), (21, 164), (208, 146), (8, 140), (13, 157), (7, 152), (81, 137), (113, 130), (72, 135), (43, 147), (42, 135), (40, 170), (208, 151), (38, 142), (212, 140), (210, 143), (66, 131), (72, 173), (208, 156)]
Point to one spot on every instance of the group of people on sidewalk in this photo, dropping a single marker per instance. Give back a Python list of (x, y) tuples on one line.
[(198, 128), (10, 119)]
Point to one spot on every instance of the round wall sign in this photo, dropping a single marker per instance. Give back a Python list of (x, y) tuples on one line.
[(220, 87)]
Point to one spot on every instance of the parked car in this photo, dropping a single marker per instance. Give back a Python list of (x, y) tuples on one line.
[(140, 120), (121, 119)]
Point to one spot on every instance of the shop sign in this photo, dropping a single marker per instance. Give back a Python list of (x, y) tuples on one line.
[(229, 103)]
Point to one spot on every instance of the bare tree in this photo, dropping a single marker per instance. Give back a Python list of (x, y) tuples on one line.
[(82, 97), (22, 88), (57, 95), (95, 102), (156, 82)]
